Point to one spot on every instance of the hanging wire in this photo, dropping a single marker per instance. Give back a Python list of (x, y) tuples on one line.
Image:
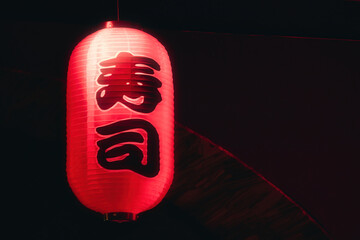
[(118, 16)]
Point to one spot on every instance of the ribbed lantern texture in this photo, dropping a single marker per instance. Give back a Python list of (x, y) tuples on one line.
[(120, 121)]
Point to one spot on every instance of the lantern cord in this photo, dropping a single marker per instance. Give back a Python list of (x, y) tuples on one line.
[(118, 17)]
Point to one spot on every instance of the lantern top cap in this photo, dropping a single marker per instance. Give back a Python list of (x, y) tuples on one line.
[(114, 24)]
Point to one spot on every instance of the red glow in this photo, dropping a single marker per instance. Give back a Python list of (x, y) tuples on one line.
[(109, 24), (120, 121)]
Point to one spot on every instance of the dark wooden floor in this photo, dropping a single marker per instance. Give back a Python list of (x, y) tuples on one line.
[(230, 199)]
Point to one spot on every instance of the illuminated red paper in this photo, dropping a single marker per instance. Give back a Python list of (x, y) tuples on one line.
[(120, 121)]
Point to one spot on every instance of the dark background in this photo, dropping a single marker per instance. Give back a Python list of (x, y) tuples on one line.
[(288, 107), (322, 18)]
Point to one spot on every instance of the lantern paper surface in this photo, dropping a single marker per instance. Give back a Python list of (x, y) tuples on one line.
[(120, 121)]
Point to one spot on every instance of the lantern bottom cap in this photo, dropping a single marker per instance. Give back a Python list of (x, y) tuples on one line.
[(120, 217)]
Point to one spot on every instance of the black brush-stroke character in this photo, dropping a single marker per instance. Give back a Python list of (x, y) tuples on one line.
[(128, 79), (132, 155)]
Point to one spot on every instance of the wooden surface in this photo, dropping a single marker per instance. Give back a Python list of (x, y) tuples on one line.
[(230, 199)]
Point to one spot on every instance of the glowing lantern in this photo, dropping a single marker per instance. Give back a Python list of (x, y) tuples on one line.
[(120, 122)]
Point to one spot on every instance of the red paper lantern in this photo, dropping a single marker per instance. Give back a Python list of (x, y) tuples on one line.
[(120, 122)]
